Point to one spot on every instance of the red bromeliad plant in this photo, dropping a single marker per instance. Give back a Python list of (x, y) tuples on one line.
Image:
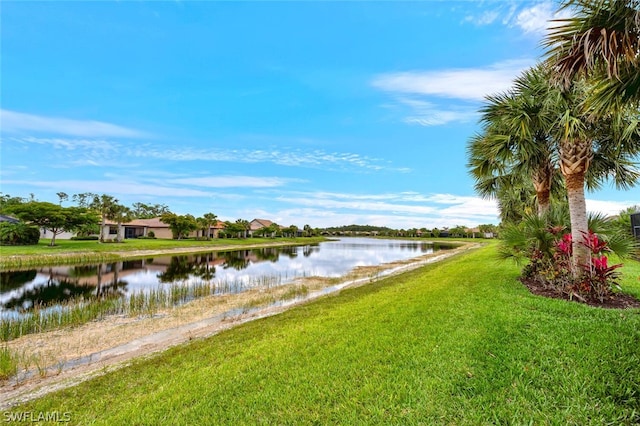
[(597, 281), (599, 278)]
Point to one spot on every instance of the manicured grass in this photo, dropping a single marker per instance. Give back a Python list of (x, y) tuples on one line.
[(457, 342), (70, 251)]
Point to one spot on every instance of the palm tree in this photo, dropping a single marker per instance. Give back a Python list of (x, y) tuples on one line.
[(244, 226), (120, 214), (103, 204), (526, 129), (516, 148), (601, 41), (610, 143), (205, 222)]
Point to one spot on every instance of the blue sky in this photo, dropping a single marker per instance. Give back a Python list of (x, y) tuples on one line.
[(319, 113)]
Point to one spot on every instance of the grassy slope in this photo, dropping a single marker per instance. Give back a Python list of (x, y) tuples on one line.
[(460, 342)]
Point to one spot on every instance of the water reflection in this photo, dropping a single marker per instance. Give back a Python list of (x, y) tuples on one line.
[(237, 270)]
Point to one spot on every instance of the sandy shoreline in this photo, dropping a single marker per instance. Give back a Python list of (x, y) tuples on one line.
[(62, 358)]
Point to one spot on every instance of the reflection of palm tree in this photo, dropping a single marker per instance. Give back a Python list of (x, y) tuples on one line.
[(179, 269), (14, 280), (204, 269), (236, 260), (52, 293), (308, 250), (115, 288), (272, 254)]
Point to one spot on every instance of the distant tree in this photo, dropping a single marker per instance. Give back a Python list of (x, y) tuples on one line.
[(180, 225), (53, 217), (6, 201), (488, 228), (244, 226), (232, 229), (84, 199), (62, 196), (120, 214), (292, 231), (206, 222), (148, 211), (103, 205), (308, 231), (623, 220), (458, 231)]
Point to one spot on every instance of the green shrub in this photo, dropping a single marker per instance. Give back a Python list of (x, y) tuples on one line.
[(151, 234), (85, 238), (18, 234)]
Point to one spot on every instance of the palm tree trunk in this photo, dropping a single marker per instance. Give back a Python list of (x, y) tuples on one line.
[(103, 224), (574, 163), (542, 185)]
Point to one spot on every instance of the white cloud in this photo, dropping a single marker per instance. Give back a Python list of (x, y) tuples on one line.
[(114, 187), (15, 122), (486, 18), (411, 209), (69, 144), (425, 113), (536, 19), (471, 84), (234, 181), (284, 157), (609, 208), (88, 151)]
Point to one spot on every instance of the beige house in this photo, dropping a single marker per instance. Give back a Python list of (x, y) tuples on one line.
[(141, 228), (257, 224)]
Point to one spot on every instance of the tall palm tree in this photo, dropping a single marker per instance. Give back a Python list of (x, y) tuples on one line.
[(120, 214), (589, 151), (602, 41), (206, 222), (516, 148), (103, 204), (610, 143)]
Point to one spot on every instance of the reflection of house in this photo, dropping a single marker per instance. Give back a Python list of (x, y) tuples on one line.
[(141, 228)]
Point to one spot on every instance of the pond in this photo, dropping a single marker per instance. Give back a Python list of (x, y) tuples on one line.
[(219, 272)]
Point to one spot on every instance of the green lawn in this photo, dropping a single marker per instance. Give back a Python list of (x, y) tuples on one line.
[(458, 342)]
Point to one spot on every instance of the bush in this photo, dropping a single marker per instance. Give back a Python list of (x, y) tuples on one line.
[(151, 234), (148, 237), (18, 234), (85, 238)]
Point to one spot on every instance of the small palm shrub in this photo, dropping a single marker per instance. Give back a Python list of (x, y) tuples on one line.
[(18, 234)]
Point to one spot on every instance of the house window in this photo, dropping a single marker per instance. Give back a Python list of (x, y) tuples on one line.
[(113, 230)]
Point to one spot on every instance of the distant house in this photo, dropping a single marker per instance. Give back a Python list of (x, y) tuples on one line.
[(257, 224), (475, 233), (141, 228), (635, 225)]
